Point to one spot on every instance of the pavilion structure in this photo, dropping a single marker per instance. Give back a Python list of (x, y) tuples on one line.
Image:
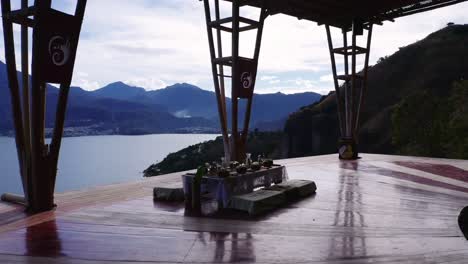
[(353, 19), (54, 42), (54, 45)]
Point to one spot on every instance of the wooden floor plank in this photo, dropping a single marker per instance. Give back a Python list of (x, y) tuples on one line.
[(380, 209)]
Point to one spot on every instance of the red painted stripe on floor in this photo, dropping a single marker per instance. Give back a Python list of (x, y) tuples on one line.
[(352, 165), (444, 170)]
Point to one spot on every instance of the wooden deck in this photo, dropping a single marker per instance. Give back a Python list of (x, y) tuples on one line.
[(380, 209)]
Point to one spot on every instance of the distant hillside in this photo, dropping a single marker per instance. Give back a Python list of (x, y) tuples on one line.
[(119, 91), (416, 105), (122, 109), (186, 100), (258, 143), (91, 114), (407, 93)]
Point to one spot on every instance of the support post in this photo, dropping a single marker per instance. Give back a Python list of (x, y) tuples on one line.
[(14, 91), (243, 73), (235, 146), (350, 93), (220, 95), (55, 41), (26, 108)]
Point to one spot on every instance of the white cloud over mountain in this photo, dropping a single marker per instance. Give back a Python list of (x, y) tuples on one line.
[(153, 43)]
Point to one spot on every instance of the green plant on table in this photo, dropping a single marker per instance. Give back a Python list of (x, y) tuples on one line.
[(196, 187), (255, 166), (268, 163)]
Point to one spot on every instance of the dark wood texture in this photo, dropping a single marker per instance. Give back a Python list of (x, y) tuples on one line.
[(339, 103), (38, 161), (62, 105), (234, 144), (218, 78), (380, 209), (10, 60), (350, 94), (26, 164), (340, 13)]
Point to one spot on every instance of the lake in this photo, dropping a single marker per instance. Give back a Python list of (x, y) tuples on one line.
[(98, 160)]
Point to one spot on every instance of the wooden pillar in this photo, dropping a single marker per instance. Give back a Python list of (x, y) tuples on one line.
[(258, 43), (14, 90), (52, 29), (350, 93), (26, 106), (219, 90), (235, 144)]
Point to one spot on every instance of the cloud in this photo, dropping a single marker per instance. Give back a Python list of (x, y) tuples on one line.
[(326, 78), (135, 48), (268, 78), (86, 84), (153, 43), (148, 83)]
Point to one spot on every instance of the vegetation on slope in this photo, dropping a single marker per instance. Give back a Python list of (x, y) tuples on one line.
[(427, 125), (417, 104), (406, 104), (267, 144)]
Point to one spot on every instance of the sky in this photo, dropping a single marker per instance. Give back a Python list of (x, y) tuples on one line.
[(153, 44)]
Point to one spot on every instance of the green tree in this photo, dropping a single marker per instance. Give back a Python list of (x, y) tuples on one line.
[(419, 123), (457, 144)]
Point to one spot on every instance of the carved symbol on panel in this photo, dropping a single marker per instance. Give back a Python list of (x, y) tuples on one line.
[(59, 50), (246, 79)]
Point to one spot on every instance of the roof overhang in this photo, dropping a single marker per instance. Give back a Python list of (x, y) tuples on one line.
[(340, 13)]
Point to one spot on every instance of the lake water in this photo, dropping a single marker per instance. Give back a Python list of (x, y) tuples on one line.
[(98, 160)]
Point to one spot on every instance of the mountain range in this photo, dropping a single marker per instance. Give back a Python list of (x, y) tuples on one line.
[(415, 104), (119, 108)]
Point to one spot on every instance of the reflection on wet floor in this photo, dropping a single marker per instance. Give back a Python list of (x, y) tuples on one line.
[(364, 211), (348, 214), (43, 240), (169, 206), (230, 247)]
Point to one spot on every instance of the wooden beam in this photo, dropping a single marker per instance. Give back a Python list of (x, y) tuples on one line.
[(14, 92), (24, 21), (26, 107), (234, 96), (41, 181), (219, 97), (339, 13), (226, 61), (353, 81), (258, 44), (346, 86), (335, 80), (14, 199), (365, 78), (62, 106), (350, 50), (25, 11), (221, 79)]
